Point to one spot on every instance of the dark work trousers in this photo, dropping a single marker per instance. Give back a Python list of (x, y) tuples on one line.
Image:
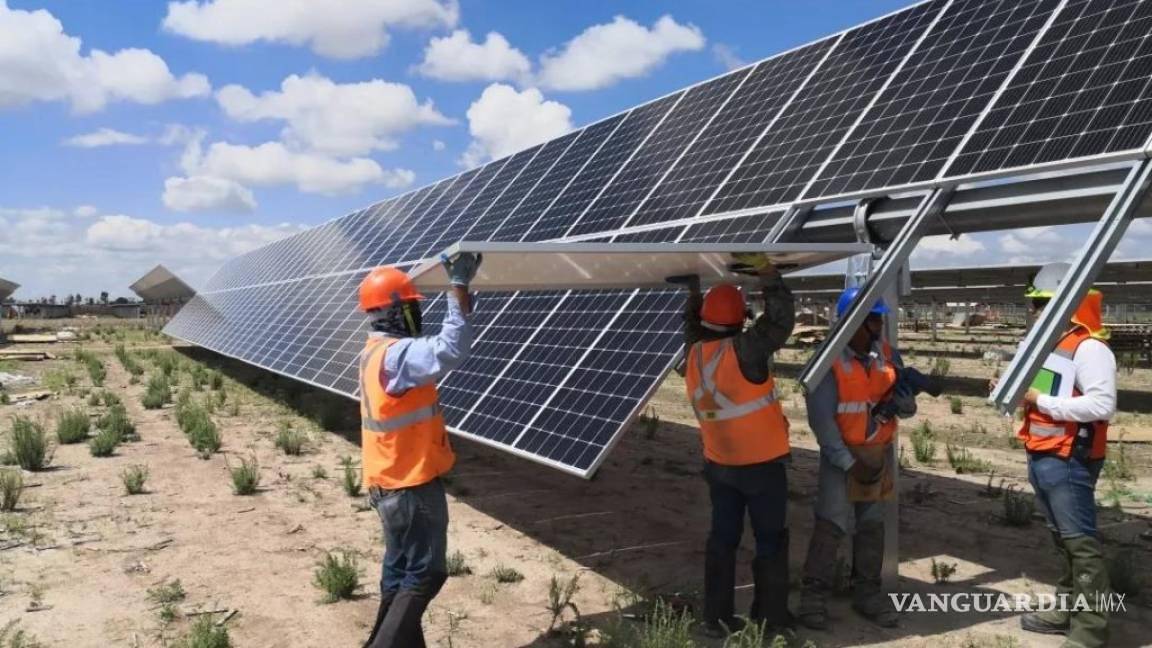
[(762, 491)]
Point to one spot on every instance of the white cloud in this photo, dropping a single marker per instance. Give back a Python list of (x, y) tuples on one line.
[(726, 55), (352, 29), (621, 49), (104, 137), (457, 58), (85, 211), (1033, 244), (438, 145), (40, 62), (341, 119), (272, 163), (503, 121), (53, 251), (203, 193), (935, 248)]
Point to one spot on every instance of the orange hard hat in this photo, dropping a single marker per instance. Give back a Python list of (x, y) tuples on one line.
[(386, 286), (723, 306)]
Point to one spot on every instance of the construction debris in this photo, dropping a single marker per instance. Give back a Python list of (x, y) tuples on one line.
[(13, 380), (25, 355)]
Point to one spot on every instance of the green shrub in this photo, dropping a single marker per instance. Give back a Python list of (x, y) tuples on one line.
[(963, 462), (128, 362), (94, 399), (216, 381), (1018, 507), (352, 481), (104, 443), (560, 594), (318, 472), (458, 564), (158, 393), (167, 592), (924, 444), (505, 574), (96, 370), (116, 422), (942, 571), (11, 487), (245, 477), (204, 435), (59, 380), (337, 576), (72, 427), (205, 634), (956, 405), (29, 444), (133, 478), (290, 440)]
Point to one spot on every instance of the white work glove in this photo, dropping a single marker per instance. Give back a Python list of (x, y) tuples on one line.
[(462, 269)]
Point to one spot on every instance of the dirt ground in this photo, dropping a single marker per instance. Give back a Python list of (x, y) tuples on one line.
[(78, 556)]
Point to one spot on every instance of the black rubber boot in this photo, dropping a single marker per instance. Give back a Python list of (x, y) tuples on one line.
[(720, 592), (867, 563), (818, 569), (401, 627), (1088, 628), (770, 589), (381, 612), (1053, 621)]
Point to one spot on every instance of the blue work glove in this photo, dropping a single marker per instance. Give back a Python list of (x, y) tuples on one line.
[(462, 269)]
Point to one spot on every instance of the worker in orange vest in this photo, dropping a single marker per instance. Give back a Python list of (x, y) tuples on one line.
[(404, 440), (855, 469), (745, 438), (1065, 433)]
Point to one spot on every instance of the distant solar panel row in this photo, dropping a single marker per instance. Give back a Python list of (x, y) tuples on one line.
[(943, 90)]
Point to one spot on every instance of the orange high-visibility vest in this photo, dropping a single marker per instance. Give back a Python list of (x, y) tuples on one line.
[(741, 423), (403, 438), (1041, 433), (859, 389)]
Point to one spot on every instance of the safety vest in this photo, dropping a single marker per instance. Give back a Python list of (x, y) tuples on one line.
[(860, 388), (1042, 433), (741, 423), (403, 438)]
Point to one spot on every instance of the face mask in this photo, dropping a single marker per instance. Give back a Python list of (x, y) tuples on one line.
[(413, 319)]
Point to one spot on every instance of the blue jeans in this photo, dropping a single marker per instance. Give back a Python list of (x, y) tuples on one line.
[(762, 490), (416, 535), (1066, 492)]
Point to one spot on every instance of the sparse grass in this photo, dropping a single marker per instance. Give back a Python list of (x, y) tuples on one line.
[(95, 366), (245, 477), (352, 483), (487, 593), (665, 627), (167, 592), (128, 361), (505, 574), (924, 444), (560, 593), (940, 366), (158, 393), (1018, 507), (942, 571), (338, 576), (964, 462), (290, 440), (204, 633), (990, 641), (133, 478), (11, 488), (319, 472), (29, 444), (72, 426), (104, 443), (649, 422), (1118, 465), (13, 637), (94, 399), (216, 381), (458, 564), (59, 380), (167, 613), (956, 405)]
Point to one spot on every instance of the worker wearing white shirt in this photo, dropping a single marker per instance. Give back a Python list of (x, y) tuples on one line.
[(1065, 433)]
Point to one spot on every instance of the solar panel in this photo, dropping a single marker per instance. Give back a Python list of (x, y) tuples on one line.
[(940, 91)]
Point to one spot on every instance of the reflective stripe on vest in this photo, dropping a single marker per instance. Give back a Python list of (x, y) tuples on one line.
[(1043, 434), (402, 421), (728, 410), (853, 407), (859, 391)]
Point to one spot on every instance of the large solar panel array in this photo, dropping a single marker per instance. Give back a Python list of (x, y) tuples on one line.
[(943, 90)]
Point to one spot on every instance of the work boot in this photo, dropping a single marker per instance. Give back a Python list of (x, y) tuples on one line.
[(770, 589), (401, 627), (720, 592), (867, 562), (381, 612), (818, 570), (1088, 629), (1053, 621)]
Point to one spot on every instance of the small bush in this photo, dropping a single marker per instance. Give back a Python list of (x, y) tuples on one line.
[(458, 564), (167, 592), (352, 481), (59, 380), (128, 362), (94, 399), (115, 421), (13, 637), (505, 574), (318, 472), (205, 634), (111, 400), (942, 571), (245, 477), (666, 627), (337, 576), (96, 370), (956, 405), (158, 393), (924, 444), (290, 440), (72, 427), (560, 595), (133, 478), (29, 444), (216, 381), (1117, 465), (649, 422), (1018, 507), (963, 462), (104, 443), (940, 366), (11, 488)]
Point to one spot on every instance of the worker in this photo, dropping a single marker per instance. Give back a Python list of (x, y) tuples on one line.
[(404, 441), (855, 474), (745, 439), (1065, 433)]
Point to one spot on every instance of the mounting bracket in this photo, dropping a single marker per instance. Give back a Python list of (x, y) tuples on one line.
[(1053, 321)]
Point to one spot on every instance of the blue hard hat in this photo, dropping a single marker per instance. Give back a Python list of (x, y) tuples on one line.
[(849, 296)]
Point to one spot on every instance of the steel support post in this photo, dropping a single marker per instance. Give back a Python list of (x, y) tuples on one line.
[(1053, 321)]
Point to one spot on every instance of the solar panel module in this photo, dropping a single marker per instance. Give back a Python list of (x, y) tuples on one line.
[(942, 91)]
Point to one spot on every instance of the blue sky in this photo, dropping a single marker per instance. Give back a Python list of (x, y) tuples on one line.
[(138, 132)]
